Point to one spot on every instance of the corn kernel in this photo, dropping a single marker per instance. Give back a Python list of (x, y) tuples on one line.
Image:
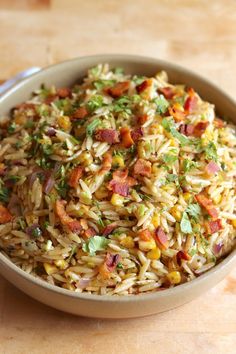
[(217, 199), (61, 263), (156, 220), (187, 196), (118, 161), (117, 200), (173, 142), (64, 122), (234, 223), (20, 119), (174, 277), (49, 268), (101, 192), (154, 254), (176, 213), (147, 245), (127, 242)]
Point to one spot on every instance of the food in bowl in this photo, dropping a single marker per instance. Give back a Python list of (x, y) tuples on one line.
[(119, 185)]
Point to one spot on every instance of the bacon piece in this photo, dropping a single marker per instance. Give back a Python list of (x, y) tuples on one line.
[(212, 168), (80, 113), (126, 138), (218, 123), (161, 238), (182, 255), (119, 89), (109, 228), (142, 119), (137, 133), (90, 232), (176, 111), (111, 136), (199, 129), (23, 106), (73, 225), (191, 101), (186, 129), (207, 204), (2, 169), (145, 235), (75, 175), (106, 163), (121, 182), (5, 215), (64, 92), (50, 98), (144, 85), (167, 92), (142, 167), (214, 226), (109, 265)]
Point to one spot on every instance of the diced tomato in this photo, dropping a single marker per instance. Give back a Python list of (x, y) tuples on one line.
[(80, 113), (142, 167), (64, 92), (212, 168), (5, 215), (191, 102), (145, 235), (207, 204), (111, 136), (137, 133), (126, 138), (119, 89), (182, 255), (75, 175), (177, 112), (142, 119), (167, 92), (109, 228), (144, 85), (214, 226), (161, 238)]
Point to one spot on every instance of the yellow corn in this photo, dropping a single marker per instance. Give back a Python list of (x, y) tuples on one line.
[(157, 129), (50, 268), (155, 168), (234, 223), (147, 245), (20, 119), (118, 161), (154, 254), (156, 220), (64, 122), (173, 142), (127, 242), (174, 277), (176, 213), (61, 263), (187, 196), (117, 200), (101, 192), (217, 199), (91, 264)]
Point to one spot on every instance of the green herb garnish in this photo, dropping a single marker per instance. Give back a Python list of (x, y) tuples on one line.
[(185, 224), (211, 152), (94, 103), (94, 244), (91, 127), (161, 103), (189, 165)]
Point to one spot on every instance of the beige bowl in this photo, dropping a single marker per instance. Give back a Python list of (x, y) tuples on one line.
[(67, 73)]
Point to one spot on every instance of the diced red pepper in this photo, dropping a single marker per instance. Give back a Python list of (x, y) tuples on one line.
[(119, 89), (161, 238), (75, 175), (142, 167), (111, 136), (167, 92), (5, 215), (126, 138)]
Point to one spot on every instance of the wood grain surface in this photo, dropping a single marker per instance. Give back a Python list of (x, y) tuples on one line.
[(198, 34)]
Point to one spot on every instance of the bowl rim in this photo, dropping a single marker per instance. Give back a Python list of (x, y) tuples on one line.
[(226, 262)]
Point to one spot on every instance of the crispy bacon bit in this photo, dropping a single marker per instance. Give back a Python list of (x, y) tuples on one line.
[(2, 169), (119, 188), (218, 123), (177, 112), (90, 232), (137, 133), (75, 175), (73, 225), (111, 136), (186, 129), (109, 265), (109, 228), (23, 106), (106, 163), (161, 239), (64, 92), (126, 138), (142, 167), (212, 168), (121, 182), (214, 226), (80, 113), (142, 119), (145, 235), (144, 85), (182, 255), (5, 215), (199, 129), (119, 89), (167, 92), (191, 102), (207, 204), (50, 98)]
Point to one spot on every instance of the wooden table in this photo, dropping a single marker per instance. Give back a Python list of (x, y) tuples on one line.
[(198, 34)]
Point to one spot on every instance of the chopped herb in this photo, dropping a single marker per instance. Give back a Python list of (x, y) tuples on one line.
[(62, 187), (161, 103), (188, 165), (100, 222), (29, 124), (22, 223), (192, 252), (168, 125), (95, 71), (138, 79), (4, 192), (211, 152), (18, 144), (44, 163), (72, 252), (46, 224), (122, 104), (171, 177), (185, 224), (92, 126), (94, 103), (36, 232), (11, 128), (13, 179), (47, 149), (42, 110), (94, 244), (193, 210), (170, 159), (118, 71), (100, 84), (119, 266)]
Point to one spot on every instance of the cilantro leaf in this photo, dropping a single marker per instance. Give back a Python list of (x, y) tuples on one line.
[(188, 165), (185, 224), (211, 152), (94, 103), (161, 103), (100, 84), (170, 159), (92, 126), (193, 210), (95, 243)]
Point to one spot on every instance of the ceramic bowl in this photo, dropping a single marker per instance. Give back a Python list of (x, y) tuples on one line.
[(67, 73)]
